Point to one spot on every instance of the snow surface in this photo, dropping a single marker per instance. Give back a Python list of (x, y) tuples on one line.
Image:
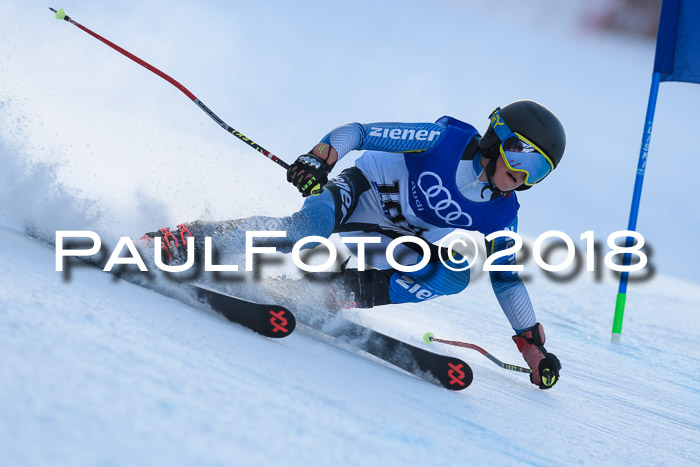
[(98, 371)]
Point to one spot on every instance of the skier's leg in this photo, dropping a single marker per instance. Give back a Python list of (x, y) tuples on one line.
[(385, 285), (432, 281), (316, 217), (346, 199)]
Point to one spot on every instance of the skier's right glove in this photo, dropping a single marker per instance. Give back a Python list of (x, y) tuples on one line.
[(309, 173), (545, 366)]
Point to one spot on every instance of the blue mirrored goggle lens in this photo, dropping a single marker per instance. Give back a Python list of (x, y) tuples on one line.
[(534, 164), (519, 155)]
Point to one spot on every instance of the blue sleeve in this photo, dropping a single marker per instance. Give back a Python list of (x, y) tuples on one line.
[(508, 287), (388, 137)]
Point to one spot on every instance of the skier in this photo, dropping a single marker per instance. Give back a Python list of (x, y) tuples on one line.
[(415, 179)]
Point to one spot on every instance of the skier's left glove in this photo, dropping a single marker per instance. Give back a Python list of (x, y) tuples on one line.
[(545, 366), (309, 173)]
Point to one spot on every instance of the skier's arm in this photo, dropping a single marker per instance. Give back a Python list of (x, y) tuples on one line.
[(310, 171), (508, 287), (515, 302), (387, 136)]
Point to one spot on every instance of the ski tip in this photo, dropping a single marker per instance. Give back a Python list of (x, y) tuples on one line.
[(280, 322), (459, 375), (428, 337)]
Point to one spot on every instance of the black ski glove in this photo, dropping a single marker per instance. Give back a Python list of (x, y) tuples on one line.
[(309, 173), (545, 366)]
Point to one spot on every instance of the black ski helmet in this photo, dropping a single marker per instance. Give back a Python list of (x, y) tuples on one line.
[(533, 121)]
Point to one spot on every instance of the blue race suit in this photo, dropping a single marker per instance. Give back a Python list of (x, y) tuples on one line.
[(417, 179)]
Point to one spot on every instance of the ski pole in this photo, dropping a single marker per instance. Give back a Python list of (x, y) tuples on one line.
[(429, 338), (60, 14)]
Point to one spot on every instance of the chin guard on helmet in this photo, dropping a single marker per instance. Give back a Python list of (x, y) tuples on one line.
[(490, 169)]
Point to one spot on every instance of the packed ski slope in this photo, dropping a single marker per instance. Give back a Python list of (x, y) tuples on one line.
[(98, 371)]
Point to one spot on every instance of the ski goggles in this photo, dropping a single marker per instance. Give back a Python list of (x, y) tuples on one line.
[(519, 153)]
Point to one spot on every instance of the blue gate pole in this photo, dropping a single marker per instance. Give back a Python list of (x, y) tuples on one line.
[(634, 211)]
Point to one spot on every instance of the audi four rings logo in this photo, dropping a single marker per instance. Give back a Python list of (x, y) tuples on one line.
[(441, 202)]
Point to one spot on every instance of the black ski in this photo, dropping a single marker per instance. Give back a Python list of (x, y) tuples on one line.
[(452, 373), (268, 320), (449, 372)]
